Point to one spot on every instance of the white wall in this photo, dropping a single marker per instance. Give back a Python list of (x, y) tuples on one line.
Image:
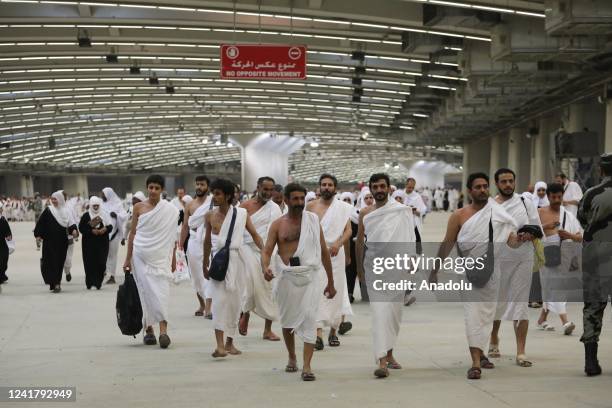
[(430, 173)]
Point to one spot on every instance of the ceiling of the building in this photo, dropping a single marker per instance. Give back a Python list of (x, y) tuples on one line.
[(64, 106)]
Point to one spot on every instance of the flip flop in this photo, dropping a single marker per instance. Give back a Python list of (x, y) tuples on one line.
[(394, 366), (234, 353), (494, 351), (271, 337), (522, 361), (344, 328), (319, 344), (208, 316), (486, 364), (333, 341), (308, 376), (291, 368), (216, 354), (198, 313), (381, 373), (546, 327), (474, 373)]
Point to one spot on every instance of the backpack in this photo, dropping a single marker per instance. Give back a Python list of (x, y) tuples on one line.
[(128, 307)]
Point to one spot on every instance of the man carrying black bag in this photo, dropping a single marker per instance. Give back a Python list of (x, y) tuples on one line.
[(129, 309), (227, 224)]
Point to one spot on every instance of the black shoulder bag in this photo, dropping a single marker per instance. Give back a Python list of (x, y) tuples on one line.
[(220, 262), (552, 253), (480, 276)]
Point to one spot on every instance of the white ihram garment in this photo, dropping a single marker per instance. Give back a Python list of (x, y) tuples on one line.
[(152, 257)]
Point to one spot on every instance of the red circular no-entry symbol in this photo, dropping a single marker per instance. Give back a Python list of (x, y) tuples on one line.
[(295, 53)]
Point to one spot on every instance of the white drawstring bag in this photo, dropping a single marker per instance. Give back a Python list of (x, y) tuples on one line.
[(11, 245), (181, 273)]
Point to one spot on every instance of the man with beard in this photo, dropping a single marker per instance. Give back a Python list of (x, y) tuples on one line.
[(278, 198), (516, 266), (334, 216), (257, 296), (383, 223), (472, 228), (193, 226), (301, 251)]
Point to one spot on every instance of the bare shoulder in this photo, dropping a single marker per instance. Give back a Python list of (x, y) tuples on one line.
[(311, 205), (247, 204)]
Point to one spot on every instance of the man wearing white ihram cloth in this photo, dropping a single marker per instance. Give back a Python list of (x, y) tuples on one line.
[(257, 295), (151, 257), (470, 228), (227, 294), (385, 222), (516, 266), (301, 251), (335, 221), (193, 227)]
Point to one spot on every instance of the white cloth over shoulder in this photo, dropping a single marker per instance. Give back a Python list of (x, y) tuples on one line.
[(415, 200), (151, 260), (392, 222), (226, 295), (257, 294), (195, 249), (113, 204), (572, 192), (296, 290), (333, 223), (479, 311)]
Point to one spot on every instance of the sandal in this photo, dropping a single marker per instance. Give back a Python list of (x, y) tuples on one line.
[(381, 373), (208, 316), (291, 368), (216, 354), (474, 373), (394, 365), (494, 351), (198, 313), (308, 376), (344, 328), (486, 364), (568, 328), (319, 344), (545, 326), (333, 341), (522, 361)]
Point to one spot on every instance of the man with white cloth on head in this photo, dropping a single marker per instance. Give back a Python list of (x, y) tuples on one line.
[(193, 227), (516, 266), (335, 218), (151, 258), (572, 193), (301, 251), (469, 228), (386, 222), (257, 296), (114, 206), (227, 294)]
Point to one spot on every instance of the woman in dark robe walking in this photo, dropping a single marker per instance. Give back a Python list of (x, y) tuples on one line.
[(95, 227), (5, 235), (53, 228)]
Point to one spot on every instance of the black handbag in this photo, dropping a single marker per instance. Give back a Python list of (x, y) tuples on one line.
[(220, 262), (552, 253), (480, 277)]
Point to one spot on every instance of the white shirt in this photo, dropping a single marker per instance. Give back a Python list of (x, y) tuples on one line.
[(572, 192)]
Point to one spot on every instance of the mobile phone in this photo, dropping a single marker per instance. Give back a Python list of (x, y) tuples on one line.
[(294, 261)]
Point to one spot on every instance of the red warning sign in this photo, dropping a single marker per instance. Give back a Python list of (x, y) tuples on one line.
[(274, 62)]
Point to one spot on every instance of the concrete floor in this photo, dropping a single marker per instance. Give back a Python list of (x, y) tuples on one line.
[(72, 339)]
